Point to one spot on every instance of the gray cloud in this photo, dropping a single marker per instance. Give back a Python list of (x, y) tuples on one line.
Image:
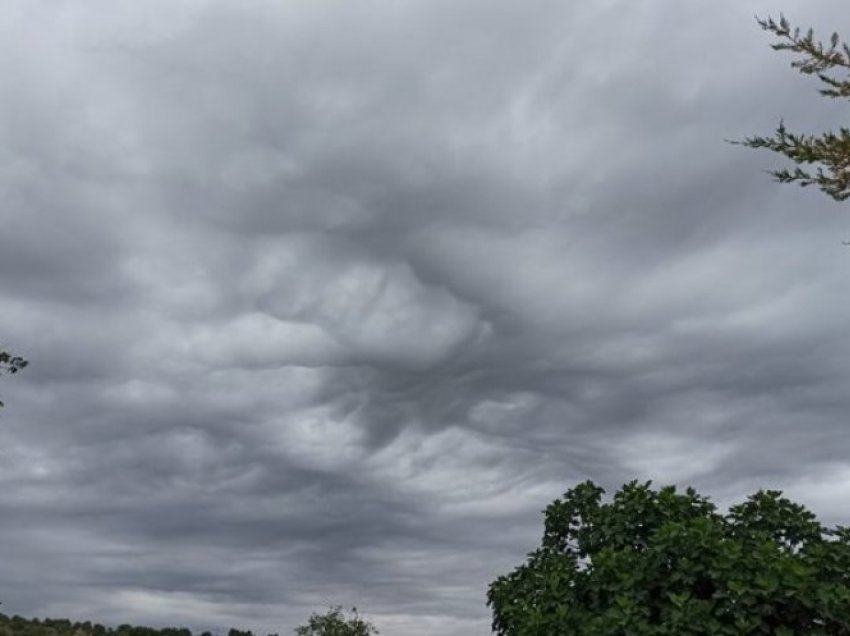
[(325, 303)]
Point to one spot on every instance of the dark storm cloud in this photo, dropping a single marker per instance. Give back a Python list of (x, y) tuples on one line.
[(326, 302)]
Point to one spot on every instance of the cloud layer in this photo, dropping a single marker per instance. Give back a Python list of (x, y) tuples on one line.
[(325, 302)]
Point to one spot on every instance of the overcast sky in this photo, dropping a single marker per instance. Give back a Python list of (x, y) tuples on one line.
[(325, 301)]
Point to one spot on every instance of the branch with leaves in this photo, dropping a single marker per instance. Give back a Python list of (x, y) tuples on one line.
[(829, 152), (11, 364)]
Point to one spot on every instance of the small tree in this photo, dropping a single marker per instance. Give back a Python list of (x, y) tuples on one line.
[(334, 623), (663, 563), (11, 364), (829, 152)]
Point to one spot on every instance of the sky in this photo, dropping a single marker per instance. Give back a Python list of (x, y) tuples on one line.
[(326, 301)]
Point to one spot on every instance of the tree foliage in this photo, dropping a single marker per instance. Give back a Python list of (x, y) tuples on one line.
[(11, 364), (829, 152), (19, 626), (334, 623), (658, 562)]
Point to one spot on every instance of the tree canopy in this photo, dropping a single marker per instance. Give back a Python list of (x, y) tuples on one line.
[(829, 152), (334, 623), (659, 562)]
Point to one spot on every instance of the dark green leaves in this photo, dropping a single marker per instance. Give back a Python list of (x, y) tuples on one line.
[(11, 364), (662, 562), (334, 623)]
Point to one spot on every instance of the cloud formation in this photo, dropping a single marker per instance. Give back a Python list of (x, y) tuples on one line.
[(325, 302)]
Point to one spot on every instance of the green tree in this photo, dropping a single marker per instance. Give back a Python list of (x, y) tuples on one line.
[(334, 623), (830, 151), (11, 364), (658, 562)]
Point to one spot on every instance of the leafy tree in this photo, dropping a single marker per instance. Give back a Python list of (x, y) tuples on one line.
[(11, 364), (657, 562), (829, 152), (334, 623)]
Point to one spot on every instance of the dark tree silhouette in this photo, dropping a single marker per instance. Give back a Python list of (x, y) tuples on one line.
[(11, 364)]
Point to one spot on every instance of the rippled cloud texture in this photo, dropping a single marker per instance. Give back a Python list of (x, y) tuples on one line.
[(325, 301)]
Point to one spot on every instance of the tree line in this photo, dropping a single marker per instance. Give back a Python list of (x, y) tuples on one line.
[(332, 623)]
